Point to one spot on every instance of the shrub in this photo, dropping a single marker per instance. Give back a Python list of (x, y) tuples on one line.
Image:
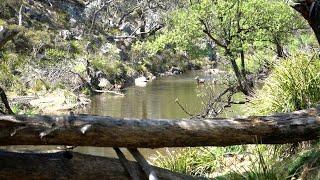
[(200, 161), (56, 54), (293, 85)]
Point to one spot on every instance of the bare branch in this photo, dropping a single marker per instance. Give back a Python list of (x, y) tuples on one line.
[(208, 33), (214, 100), (183, 108)]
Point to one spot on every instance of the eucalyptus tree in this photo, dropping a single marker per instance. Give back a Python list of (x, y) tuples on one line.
[(235, 26)]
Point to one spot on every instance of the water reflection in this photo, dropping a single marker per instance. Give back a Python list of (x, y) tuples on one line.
[(156, 100)]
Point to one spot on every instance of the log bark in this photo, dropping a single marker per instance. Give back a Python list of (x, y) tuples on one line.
[(70, 165), (126, 165), (150, 172), (99, 131)]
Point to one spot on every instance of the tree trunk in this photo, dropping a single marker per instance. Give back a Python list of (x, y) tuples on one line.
[(4, 100), (70, 165), (243, 65), (20, 15), (279, 47), (310, 10), (85, 130), (242, 81)]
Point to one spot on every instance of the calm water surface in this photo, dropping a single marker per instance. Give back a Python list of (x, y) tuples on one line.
[(155, 101)]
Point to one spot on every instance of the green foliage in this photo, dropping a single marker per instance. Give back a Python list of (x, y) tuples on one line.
[(25, 110), (79, 68), (76, 47), (304, 158), (40, 85), (195, 161), (183, 32), (85, 91), (6, 76), (10, 62), (294, 84), (37, 37), (114, 69), (259, 60), (234, 26), (230, 22), (3, 22), (63, 18), (56, 54), (303, 41), (5, 5)]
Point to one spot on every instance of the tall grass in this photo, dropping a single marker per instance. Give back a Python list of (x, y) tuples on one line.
[(256, 162), (197, 161), (293, 85)]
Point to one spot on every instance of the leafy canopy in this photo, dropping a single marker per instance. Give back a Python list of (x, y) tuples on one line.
[(236, 24)]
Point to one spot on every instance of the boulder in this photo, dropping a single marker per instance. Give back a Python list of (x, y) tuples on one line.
[(141, 81), (175, 70), (104, 83)]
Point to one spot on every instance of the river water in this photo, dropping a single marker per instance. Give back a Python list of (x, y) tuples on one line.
[(155, 101)]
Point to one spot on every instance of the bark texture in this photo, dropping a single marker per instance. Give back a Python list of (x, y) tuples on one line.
[(310, 10), (85, 130), (68, 165), (4, 100)]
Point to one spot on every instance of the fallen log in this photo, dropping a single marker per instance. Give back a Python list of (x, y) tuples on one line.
[(86, 130), (110, 92), (70, 165)]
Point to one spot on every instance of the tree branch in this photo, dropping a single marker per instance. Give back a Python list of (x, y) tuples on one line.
[(4, 100), (207, 32)]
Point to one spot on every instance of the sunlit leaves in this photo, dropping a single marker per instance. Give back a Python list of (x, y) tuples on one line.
[(238, 23)]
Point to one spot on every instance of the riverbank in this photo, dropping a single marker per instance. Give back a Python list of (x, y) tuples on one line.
[(41, 99), (54, 102)]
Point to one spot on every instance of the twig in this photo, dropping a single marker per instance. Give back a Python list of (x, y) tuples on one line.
[(183, 108), (208, 33), (214, 100)]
